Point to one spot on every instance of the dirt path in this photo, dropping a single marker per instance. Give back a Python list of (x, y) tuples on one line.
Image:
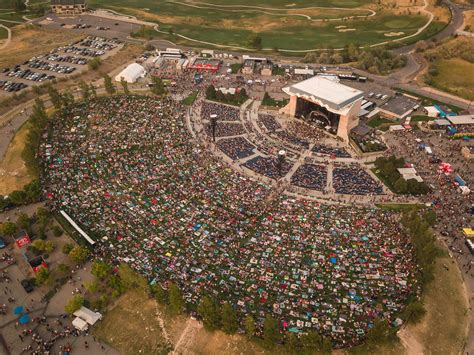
[(186, 339), (410, 343)]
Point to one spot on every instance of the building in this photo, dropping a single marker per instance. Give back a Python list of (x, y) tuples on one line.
[(68, 7), (325, 102), (131, 73)]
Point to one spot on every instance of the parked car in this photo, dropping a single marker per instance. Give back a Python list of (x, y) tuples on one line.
[(2, 243), (27, 286)]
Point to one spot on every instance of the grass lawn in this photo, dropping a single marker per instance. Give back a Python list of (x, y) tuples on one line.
[(188, 101), (383, 179), (443, 328), (13, 172), (377, 121), (455, 76), (421, 118), (132, 326), (3, 33)]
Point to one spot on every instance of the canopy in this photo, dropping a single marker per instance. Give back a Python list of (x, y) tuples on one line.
[(80, 324), (18, 310), (131, 73), (87, 315), (24, 319)]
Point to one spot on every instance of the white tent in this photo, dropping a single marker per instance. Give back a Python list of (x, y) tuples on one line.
[(131, 73), (80, 324), (431, 111), (87, 315)]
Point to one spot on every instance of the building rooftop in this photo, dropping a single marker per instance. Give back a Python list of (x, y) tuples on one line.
[(68, 2), (329, 92)]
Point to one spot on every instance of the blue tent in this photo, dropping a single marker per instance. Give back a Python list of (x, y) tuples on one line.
[(24, 319), (18, 310)]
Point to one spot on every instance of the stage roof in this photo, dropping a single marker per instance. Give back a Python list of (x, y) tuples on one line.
[(329, 92)]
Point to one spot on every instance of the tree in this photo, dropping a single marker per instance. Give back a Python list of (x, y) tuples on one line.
[(67, 99), (255, 41), (400, 185), (414, 312), (158, 87), (378, 333), (55, 97), (23, 221), (92, 90), (94, 63), (76, 302), (9, 228), (249, 326), (109, 87), (271, 333), (207, 309), (84, 90), (67, 248), (161, 295), (42, 276), (18, 5), (79, 254), (57, 231), (211, 92), (124, 86), (101, 269), (229, 320), (176, 301), (430, 217)]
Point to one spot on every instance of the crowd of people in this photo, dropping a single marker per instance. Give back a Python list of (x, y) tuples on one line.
[(225, 129), (353, 180), (268, 166), (222, 112), (310, 176), (269, 122), (236, 148), (126, 169), (333, 151)]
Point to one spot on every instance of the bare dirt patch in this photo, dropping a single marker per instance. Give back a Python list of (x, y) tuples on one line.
[(393, 34), (346, 30), (468, 24)]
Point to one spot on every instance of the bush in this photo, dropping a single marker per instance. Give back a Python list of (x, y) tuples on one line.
[(67, 248), (76, 302)]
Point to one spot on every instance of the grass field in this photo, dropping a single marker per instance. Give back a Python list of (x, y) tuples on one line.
[(3, 33), (443, 328), (13, 172), (455, 76), (301, 26)]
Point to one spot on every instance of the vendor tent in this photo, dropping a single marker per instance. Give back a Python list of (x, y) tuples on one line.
[(87, 315), (131, 73), (80, 324)]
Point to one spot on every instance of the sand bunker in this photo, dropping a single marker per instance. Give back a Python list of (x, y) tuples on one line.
[(290, 5), (393, 34), (346, 30), (340, 27)]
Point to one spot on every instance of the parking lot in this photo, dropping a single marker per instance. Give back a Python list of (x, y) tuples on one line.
[(59, 63)]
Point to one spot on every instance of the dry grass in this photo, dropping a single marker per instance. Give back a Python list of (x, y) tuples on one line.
[(13, 172), (468, 24), (29, 41), (444, 327), (132, 326)]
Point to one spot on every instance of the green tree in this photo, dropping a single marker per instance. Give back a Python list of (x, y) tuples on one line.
[(42, 276), (414, 312), (430, 217), (76, 302), (175, 298), (207, 309), (400, 185), (158, 87), (94, 63), (379, 333), (9, 228), (55, 97), (79, 254), (101, 269), (57, 231), (67, 248), (67, 99), (23, 221), (124, 86), (230, 324), (255, 41), (92, 90), (271, 332), (84, 90), (18, 5), (249, 326), (109, 87)]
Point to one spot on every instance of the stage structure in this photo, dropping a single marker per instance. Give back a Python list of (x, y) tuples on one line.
[(325, 102)]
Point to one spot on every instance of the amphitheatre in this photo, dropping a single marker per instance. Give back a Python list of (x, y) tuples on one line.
[(130, 170)]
